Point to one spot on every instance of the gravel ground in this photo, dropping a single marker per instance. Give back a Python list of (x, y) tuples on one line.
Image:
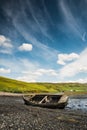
[(14, 115)]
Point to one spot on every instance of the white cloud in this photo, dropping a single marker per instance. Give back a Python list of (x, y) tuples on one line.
[(23, 69), (5, 42), (49, 72), (84, 80), (34, 75), (76, 67), (26, 79), (62, 58), (25, 47), (5, 71), (2, 38), (79, 80), (5, 51), (5, 45)]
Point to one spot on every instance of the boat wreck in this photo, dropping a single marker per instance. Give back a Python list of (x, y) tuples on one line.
[(46, 100)]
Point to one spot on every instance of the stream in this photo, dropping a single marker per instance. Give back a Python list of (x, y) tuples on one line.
[(77, 103)]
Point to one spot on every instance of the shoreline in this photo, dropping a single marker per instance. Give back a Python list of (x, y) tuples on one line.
[(10, 94), (21, 94)]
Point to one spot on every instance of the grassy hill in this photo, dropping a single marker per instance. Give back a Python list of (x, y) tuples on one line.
[(10, 85)]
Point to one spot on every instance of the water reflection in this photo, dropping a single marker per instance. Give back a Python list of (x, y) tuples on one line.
[(76, 103)]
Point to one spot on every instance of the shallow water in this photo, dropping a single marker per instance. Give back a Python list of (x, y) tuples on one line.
[(77, 103)]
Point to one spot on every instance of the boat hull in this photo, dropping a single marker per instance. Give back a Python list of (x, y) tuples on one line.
[(61, 103)]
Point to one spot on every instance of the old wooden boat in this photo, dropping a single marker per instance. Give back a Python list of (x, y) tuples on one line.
[(46, 100)]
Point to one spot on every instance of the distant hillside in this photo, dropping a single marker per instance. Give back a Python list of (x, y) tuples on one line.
[(10, 85)]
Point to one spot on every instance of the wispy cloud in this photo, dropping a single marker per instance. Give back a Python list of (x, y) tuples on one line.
[(84, 37), (71, 20), (32, 20), (25, 30), (39, 19), (43, 50), (48, 16)]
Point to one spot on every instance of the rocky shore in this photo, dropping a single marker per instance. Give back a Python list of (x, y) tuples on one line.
[(14, 115)]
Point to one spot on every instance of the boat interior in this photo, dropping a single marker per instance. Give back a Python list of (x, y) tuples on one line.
[(45, 98)]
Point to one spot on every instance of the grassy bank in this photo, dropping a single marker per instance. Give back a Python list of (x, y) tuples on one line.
[(10, 85)]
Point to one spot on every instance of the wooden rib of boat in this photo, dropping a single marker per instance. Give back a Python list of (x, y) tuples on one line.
[(46, 100)]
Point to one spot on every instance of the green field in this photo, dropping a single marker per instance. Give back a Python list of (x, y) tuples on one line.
[(15, 86)]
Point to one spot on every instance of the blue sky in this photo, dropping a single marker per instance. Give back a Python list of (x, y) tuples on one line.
[(43, 40)]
